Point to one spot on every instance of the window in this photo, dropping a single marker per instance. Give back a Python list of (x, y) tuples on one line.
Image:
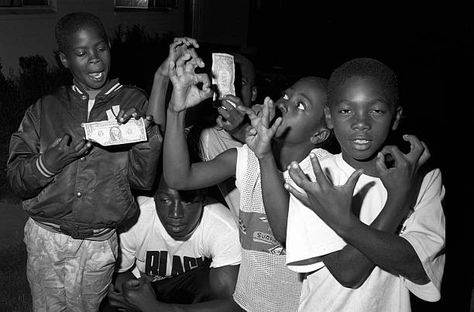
[(146, 4), (24, 3), (27, 6)]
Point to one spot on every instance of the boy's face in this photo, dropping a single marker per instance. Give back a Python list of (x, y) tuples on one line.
[(362, 117), (245, 83), (88, 58), (179, 214), (301, 108)]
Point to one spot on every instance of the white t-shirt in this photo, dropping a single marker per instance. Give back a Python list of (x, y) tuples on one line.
[(424, 229), (155, 253), (212, 142)]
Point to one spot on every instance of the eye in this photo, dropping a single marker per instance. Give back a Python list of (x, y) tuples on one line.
[(301, 106), (286, 97), (80, 52), (165, 200)]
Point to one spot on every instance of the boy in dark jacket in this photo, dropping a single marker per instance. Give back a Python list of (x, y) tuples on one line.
[(77, 192)]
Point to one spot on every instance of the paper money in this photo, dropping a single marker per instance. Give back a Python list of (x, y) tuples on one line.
[(110, 132), (223, 71)]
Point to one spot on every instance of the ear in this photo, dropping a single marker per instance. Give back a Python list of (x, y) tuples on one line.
[(254, 94), (63, 59), (327, 115), (398, 116), (320, 136)]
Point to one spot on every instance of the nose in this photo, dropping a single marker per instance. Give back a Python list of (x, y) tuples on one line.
[(361, 122), (176, 210), (94, 56)]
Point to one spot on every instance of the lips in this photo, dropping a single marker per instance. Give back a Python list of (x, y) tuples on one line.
[(97, 76)]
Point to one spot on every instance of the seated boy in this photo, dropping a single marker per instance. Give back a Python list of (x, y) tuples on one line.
[(186, 246)]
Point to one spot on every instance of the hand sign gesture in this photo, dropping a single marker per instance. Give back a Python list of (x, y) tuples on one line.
[(330, 202), (61, 153), (179, 47), (403, 179), (186, 92), (259, 137)]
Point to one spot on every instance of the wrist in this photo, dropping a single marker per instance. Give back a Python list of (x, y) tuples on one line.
[(44, 168), (265, 157)]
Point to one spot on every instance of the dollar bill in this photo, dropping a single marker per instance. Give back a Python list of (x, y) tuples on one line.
[(223, 71), (110, 132)]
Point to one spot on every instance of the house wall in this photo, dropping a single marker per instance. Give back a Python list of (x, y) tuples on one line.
[(33, 33)]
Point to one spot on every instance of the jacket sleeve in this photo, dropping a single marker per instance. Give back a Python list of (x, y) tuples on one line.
[(144, 157), (26, 173)]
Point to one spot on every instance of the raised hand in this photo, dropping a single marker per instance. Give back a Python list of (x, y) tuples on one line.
[(230, 118), (61, 153), (259, 137), (186, 92), (403, 179), (179, 47), (330, 202)]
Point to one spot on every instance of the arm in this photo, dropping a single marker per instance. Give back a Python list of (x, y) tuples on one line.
[(275, 197), (140, 295), (177, 48), (377, 244), (143, 157), (29, 168), (177, 169)]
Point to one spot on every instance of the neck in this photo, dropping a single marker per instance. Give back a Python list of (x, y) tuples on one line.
[(285, 153)]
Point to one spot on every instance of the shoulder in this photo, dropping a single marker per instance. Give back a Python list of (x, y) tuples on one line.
[(218, 214)]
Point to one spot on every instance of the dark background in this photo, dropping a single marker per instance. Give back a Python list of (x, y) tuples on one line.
[(431, 49)]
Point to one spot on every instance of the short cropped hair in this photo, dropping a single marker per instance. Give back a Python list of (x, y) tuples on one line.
[(73, 22), (365, 67)]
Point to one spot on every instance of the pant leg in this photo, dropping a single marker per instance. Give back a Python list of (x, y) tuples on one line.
[(67, 274), (44, 268)]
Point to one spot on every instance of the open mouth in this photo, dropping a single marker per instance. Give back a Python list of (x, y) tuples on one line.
[(99, 76)]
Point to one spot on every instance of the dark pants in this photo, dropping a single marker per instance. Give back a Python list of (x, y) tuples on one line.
[(189, 287)]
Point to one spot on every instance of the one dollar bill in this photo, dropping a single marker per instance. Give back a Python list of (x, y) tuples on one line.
[(223, 71), (110, 132)]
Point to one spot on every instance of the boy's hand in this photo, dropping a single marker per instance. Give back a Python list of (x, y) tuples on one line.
[(230, 118), (61, 153), (186, 92), (403, 179), (259, 137), (330, 202), (117, 300), (179, 47), (139, 294)]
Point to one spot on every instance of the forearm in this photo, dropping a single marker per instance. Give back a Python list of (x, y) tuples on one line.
[(157, 102), (350, 266), (143, 160), (176, 162), (387, 250), (275, 197)]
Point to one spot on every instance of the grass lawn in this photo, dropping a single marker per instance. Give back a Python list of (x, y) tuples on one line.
[(14, 289)]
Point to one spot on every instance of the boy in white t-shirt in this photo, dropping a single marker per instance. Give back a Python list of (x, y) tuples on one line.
[(381, 201), (188, 249)]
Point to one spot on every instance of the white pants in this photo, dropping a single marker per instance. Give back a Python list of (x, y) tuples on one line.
[(67, 274)]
